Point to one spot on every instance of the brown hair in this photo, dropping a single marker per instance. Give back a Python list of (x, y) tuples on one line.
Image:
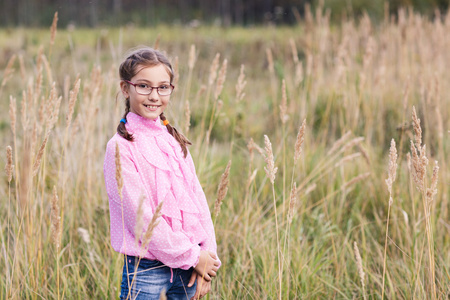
[(135, 61)]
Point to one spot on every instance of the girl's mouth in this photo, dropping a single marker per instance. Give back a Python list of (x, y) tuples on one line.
[(152, 107)]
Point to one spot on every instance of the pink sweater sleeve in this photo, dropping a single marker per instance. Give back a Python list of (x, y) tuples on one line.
[(174, 249)]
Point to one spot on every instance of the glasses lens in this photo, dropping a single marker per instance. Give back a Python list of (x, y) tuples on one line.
[(143, 89), (165, 90)]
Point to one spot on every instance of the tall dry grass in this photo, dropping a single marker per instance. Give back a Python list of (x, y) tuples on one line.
[(333, 236)]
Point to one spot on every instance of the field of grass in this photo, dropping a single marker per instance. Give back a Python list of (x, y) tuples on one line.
[(368, 218)]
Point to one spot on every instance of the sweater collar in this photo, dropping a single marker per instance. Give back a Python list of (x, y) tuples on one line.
[(136, 123)]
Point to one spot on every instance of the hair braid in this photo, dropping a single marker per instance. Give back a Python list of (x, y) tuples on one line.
[(181, 139), (121, 129)]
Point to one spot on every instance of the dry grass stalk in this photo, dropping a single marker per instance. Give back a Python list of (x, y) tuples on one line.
[(219, 107), (298, 74), (310, 188), (222, 189), (72, 100), (355, 180), (270, 169), (156, 44), (8, 70), (50, 105), (37, 91), (253, 146), (213, 69), (39, 155), (352, 143), (391, 178), (364, 154), (221, 79), (432, 190), (417, 130), (339, 142), (119, 178), (240, 85), (54, 114), (139, 220), (360, 267), (48, 70), (66, 87), (9, 165), (292, 202), (392, 169), (23, 112), (22, 67), (347, 158), (163, 296), (175, 70), (270, 61), (299, 141), (294, 51), (151, 226), (12, 114), (56, 219), (53, 29), (283, 107), (419, 164), (192, 57), (250, 179), (187, 117)]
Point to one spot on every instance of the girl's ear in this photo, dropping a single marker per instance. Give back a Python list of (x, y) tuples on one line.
[(124, 88)]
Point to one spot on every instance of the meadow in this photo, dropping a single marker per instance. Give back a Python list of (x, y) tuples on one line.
[(338, 137)]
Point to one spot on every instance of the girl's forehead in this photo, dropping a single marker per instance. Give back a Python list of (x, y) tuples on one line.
[(158, 72)]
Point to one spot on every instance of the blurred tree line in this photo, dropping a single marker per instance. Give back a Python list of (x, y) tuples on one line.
[(193, 12)]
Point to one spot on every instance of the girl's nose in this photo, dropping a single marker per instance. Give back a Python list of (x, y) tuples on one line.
[(154, 94)]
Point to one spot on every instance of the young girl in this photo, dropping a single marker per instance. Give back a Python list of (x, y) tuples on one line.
[(181, 258)]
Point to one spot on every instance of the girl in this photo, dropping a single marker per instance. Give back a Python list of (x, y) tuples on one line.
[(181, 258)]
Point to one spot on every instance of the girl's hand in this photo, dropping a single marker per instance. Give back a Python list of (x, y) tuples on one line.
[(207, 265), (203, 286)]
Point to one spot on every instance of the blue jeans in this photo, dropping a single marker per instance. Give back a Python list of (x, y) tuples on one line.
[(151, 277)]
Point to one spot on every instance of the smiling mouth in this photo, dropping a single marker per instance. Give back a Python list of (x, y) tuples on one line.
[(151, 106)]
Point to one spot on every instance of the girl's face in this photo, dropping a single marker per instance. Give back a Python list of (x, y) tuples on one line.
[(152, 105)]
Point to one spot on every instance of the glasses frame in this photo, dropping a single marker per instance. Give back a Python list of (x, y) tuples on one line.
[(151, 89)]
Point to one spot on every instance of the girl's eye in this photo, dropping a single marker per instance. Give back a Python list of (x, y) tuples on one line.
[(143, 86), (164, 87)]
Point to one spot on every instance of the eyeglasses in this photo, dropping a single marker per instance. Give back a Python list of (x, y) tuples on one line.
[(145, 89)]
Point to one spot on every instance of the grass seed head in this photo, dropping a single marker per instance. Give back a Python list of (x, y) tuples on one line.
[(56, 219), (392, 171), (187, 116), (283, 107), (9, 166), (119, 179), (39, 155), (299, 141), (240, 85), (151, 226), (53, 28), (221, 79), (292, 202), (139, 220), (12, 114), (360, 266), (432, 190), (270, 168), (222, 189), (213, 69)]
